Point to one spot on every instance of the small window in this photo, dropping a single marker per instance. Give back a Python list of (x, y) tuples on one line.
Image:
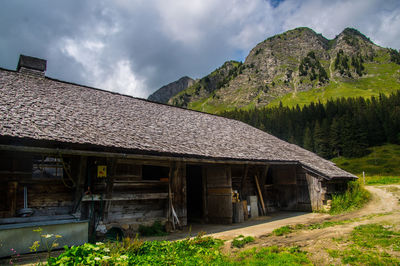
[(47, 167), (151, 172)]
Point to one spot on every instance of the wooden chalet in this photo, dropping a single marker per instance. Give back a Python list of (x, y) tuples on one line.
[(76, 160)]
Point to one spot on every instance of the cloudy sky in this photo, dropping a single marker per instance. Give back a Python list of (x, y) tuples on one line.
[(136, 46)]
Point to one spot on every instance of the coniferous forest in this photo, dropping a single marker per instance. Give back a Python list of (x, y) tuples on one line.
[(342, 127)]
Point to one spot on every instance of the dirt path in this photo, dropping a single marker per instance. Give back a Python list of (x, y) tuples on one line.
[(384, 207), (382, 201)]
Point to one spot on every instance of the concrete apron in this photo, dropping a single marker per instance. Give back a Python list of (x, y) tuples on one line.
[(19, 237)]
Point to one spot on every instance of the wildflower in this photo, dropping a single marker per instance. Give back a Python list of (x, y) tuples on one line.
[(47, 235), (97, 258), (34, 246), (124, 257), (39, 230), (96, 248), (58, 236), (99, 243), (106, 257), (106, 250)]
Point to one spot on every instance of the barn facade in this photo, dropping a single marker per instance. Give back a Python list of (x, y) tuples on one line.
[(91, 160)]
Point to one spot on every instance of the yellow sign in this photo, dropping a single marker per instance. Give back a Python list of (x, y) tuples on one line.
[(101, 171)]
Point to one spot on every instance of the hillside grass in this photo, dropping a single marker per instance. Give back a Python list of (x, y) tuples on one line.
[(380, 78), (381, 165)]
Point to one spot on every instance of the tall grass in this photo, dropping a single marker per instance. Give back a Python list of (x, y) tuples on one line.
[(354, 198)]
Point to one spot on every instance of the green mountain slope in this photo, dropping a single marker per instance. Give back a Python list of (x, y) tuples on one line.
[(380, 166), (297, 67)]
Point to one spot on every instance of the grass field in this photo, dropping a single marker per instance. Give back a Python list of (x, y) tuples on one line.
[(381, 165), (381, 78)]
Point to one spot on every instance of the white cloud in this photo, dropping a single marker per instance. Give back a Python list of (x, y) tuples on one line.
[(123, 80), (136, 46), (117, 77)]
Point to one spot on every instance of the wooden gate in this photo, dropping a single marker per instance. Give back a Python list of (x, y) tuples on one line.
[(219, 194)]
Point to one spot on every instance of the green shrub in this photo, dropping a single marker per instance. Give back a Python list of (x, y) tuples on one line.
[(354, 198), (241, 241), (154, 230), (282, 230), (197, 251)]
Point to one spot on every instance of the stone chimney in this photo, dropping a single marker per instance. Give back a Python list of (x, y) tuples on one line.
[(31, 65)]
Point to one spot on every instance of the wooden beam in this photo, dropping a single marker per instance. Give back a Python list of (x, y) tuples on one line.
[(112, 163), (204, 193), (179, 157), (243, 183), (12, 197), (80, 183), (15, 220), (142, 196), (260, 197), (264, 176)]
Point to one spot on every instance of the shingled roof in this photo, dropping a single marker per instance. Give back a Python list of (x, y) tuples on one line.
[(41, 108)]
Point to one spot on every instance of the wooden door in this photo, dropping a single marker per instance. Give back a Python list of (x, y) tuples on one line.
[(314, 188), (219, 194)]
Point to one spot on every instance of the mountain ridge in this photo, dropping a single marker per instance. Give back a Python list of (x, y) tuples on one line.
[(295, 62), (163, 94)]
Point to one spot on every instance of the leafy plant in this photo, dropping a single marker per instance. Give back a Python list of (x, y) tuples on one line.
[(199, 250), (241, 241), (47, 241), (354, 198)]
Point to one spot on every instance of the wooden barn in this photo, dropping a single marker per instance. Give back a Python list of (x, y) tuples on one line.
[(79, 160)]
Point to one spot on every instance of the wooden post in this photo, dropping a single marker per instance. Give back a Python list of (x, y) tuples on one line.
[(260, 197), (204, 191), (109, 188), (264, 176), (170, 175), (178, 188), (243, 184), (12, 197), (79, 190)]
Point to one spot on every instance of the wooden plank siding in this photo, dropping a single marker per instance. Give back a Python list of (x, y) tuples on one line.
[(219, 194)]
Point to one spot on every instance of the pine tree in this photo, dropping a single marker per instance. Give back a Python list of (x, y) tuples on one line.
[(335, 139), (308, 142)]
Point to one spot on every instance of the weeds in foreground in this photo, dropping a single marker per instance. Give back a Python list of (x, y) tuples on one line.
[(284, 230), (364, 241), (241, 241), (199, 250), (47, 242), (271, 256), (354, 198)]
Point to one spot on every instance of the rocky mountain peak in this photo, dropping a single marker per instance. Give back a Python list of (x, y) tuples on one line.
[(295, 61), (166, 92)]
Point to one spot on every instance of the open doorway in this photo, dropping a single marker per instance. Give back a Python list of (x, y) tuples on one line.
[(194, 193)]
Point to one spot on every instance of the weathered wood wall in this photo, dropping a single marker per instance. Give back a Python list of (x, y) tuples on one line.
[(148, 201), (46, 196)]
